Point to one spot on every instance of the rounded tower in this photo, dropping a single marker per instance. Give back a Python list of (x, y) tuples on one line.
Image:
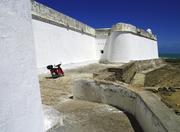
[(126, 43)]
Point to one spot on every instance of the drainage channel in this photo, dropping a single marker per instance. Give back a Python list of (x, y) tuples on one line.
[(134, 122)]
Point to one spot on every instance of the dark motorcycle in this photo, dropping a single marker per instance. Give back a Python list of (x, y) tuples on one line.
[(56, 70)]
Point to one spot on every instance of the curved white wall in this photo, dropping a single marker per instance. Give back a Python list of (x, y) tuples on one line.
[(124, 47), (57, 44)]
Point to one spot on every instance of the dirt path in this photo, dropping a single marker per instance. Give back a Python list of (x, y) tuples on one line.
[(54, 91)]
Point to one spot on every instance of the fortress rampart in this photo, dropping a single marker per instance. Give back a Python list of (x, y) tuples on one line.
[(123, 27), (60, 38), (48, 15)]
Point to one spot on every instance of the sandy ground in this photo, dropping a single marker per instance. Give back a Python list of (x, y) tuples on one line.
[(81, 116), (57, 90)]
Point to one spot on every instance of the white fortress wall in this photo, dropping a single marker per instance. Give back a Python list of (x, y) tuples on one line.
[(20, 101), (102, 35), (59, 38), (55, 44), (126, 47), (128, 43)]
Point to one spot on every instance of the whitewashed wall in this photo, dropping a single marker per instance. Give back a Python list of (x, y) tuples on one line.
[(20, 101), (123, 47), (57, 44), (100, 43)]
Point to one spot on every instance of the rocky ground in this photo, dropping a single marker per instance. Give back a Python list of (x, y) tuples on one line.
[(80, 116), (167, 79), (167, 76)]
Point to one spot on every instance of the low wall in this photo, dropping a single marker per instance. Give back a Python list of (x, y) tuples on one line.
[(149, 64), (126, 72), (150, 112)]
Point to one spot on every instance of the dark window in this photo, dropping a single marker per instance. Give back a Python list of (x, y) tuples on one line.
[(102, 51)]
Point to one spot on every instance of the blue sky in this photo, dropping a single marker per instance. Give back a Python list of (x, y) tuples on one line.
[(162, 16)]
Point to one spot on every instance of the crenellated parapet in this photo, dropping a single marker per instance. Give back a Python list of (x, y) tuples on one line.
[(48, 15), (103, 32), (123, 27)]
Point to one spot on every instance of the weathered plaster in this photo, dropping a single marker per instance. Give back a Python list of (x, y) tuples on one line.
[(150, 112), (20, 102)]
